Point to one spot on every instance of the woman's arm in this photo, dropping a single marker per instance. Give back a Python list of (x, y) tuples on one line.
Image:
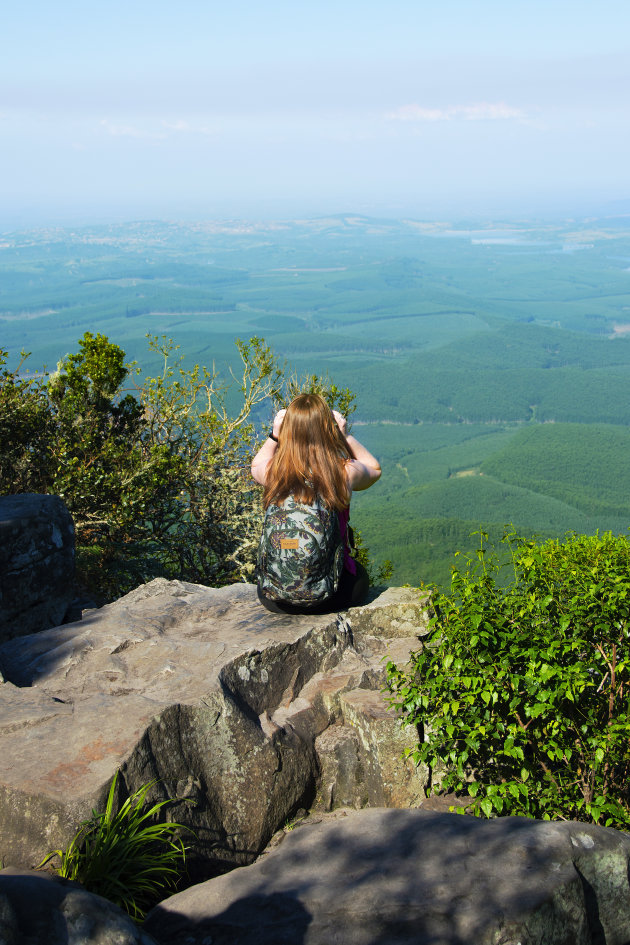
[(364, 470), (263, 457)]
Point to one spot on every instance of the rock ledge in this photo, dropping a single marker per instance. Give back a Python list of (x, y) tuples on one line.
[(242, 716)]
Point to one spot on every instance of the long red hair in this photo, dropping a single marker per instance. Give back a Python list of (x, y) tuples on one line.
[(310, 458)]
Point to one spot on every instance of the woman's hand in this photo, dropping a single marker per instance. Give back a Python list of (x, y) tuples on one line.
[(342, 423), (277, 422)]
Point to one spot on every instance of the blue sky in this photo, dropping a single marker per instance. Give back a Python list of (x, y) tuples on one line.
[(204, 109)]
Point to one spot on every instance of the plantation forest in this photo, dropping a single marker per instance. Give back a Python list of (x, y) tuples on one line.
[(490, 363)]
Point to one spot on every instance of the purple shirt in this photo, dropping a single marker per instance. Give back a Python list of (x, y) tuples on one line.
[(348, 560)]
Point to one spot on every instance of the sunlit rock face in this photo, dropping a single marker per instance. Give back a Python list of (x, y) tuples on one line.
[(237, 713)]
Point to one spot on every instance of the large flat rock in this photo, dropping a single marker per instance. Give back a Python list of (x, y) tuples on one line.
[(201, 689), (394, 877)]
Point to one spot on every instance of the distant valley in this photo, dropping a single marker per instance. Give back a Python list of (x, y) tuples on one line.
[(491, 364)]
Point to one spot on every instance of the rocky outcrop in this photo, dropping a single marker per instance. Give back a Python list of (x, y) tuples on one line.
[(36, 563), (37, 909), (394, 877), (241, 716)]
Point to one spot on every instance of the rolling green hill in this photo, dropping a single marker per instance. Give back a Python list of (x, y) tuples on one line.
[(544, 479), (584, 465), (491, 364)]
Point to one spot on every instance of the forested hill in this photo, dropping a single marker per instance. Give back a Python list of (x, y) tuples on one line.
[(490, 362)]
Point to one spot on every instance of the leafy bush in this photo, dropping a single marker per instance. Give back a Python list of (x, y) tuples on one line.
[(522, 690), (25, 429), (125, 857), (156, 475)]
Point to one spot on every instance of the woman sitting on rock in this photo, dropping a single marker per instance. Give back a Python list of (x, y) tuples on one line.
[(309, 468)]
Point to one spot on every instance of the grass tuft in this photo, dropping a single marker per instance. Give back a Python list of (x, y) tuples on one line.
[(125, 857)]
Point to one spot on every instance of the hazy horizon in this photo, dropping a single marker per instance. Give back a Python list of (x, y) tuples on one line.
[(123, 111), (456, 215)]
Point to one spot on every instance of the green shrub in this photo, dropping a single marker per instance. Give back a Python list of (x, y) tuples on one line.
[(125, 857), (522, 690), (157, 481)]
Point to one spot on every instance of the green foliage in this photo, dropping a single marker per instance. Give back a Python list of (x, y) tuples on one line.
[(96, 443), (522, 691), (158, 481), (205, 524), (90, 377), (125, 856), (378, 574), (25, 429), (337, 398)]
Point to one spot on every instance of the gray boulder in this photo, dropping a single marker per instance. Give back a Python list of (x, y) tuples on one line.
[(38, 909), (220, 701), (393, 877), (36, 563)]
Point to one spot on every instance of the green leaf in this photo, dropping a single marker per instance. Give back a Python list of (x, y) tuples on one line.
[(486, 806)]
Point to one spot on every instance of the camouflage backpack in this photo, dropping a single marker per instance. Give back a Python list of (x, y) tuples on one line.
[(300, 555)]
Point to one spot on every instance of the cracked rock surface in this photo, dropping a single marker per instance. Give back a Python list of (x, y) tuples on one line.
[(242, 716)]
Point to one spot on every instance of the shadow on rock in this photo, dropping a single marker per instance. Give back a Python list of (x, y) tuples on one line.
[(277, 918), (394, 877)]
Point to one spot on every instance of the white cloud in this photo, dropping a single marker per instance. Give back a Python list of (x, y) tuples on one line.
[(481, 111), (182, 126), (154, 130), (130, 131), (487, 111), (179, 125)]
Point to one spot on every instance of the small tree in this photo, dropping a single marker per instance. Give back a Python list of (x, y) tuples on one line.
[(206, 529), (155, 472), (96, 446), (522, 692)]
